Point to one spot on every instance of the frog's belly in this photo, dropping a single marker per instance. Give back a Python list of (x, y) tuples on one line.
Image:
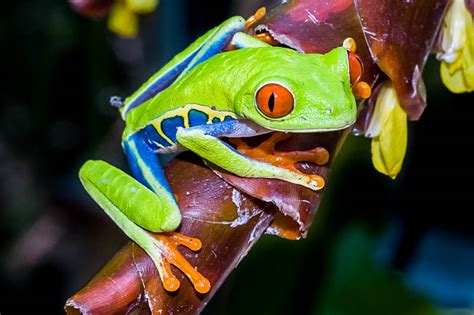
[(161, 132)]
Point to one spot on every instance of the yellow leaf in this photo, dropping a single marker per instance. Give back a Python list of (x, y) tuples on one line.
[(122, 21), (386, 101), (457, 58), (142, 6), (389, 147)]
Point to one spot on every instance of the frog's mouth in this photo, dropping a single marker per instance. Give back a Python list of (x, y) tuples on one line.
[(315, 130)]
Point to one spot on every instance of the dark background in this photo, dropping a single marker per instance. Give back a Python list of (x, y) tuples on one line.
[(59, 70)]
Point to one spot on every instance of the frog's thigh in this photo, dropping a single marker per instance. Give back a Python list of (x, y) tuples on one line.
[(145, 164), (133, 206), (129, 203), (204, 141)]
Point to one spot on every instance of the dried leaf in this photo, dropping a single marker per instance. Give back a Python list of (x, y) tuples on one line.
[(400, 36), (295, 202), (470, 6)]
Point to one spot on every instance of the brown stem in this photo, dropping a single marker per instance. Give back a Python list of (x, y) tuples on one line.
[(226, 218), (228, 223)]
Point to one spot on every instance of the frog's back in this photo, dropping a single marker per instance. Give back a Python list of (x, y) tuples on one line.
[(206, 94), (203, 96)]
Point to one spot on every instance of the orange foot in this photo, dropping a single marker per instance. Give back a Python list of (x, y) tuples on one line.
[(171, 256), (266, 152)]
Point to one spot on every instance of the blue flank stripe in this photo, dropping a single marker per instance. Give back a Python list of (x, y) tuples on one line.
[(154, 138), (228, 118), (183, 67), (162, 82), (213, 49), (136, 149), (169, 126), (197, 118)]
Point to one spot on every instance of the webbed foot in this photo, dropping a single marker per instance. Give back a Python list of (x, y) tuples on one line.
[(168, 245), (266, 152)]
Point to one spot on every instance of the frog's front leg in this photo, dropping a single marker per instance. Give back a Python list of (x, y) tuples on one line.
[(137, 209), (204, 141)]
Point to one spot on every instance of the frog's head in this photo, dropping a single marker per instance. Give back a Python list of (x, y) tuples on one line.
[(300, 92)]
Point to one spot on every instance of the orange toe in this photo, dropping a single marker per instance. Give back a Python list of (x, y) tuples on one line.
[(266, 152), (170, 282), (169, 243)]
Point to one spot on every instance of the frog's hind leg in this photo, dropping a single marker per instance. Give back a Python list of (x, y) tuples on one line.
[(137, 210), (143, 205), (146, 168)]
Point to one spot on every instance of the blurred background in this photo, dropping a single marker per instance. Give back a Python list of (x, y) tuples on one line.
[(377, 246)]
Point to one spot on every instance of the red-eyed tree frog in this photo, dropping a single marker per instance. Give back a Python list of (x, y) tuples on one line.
[(200, 96)]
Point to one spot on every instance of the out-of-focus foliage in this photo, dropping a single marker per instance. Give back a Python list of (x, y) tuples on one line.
[(356, 284), (123, 16)]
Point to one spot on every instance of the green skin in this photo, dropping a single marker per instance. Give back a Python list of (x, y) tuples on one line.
[(227, 82)]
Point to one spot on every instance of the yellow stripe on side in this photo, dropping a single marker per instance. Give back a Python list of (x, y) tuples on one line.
[(157, 125), (183, 112)]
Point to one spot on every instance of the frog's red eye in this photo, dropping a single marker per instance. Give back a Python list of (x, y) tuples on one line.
[(355, 67), (274, 100)]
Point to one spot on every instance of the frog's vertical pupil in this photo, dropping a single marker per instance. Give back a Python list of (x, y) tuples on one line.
[(274, 100), (271, 102)]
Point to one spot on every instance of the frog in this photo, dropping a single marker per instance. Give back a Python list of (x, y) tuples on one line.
[(226, 84)]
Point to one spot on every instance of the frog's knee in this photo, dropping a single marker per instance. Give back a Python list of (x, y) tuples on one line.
[(92, 167)]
